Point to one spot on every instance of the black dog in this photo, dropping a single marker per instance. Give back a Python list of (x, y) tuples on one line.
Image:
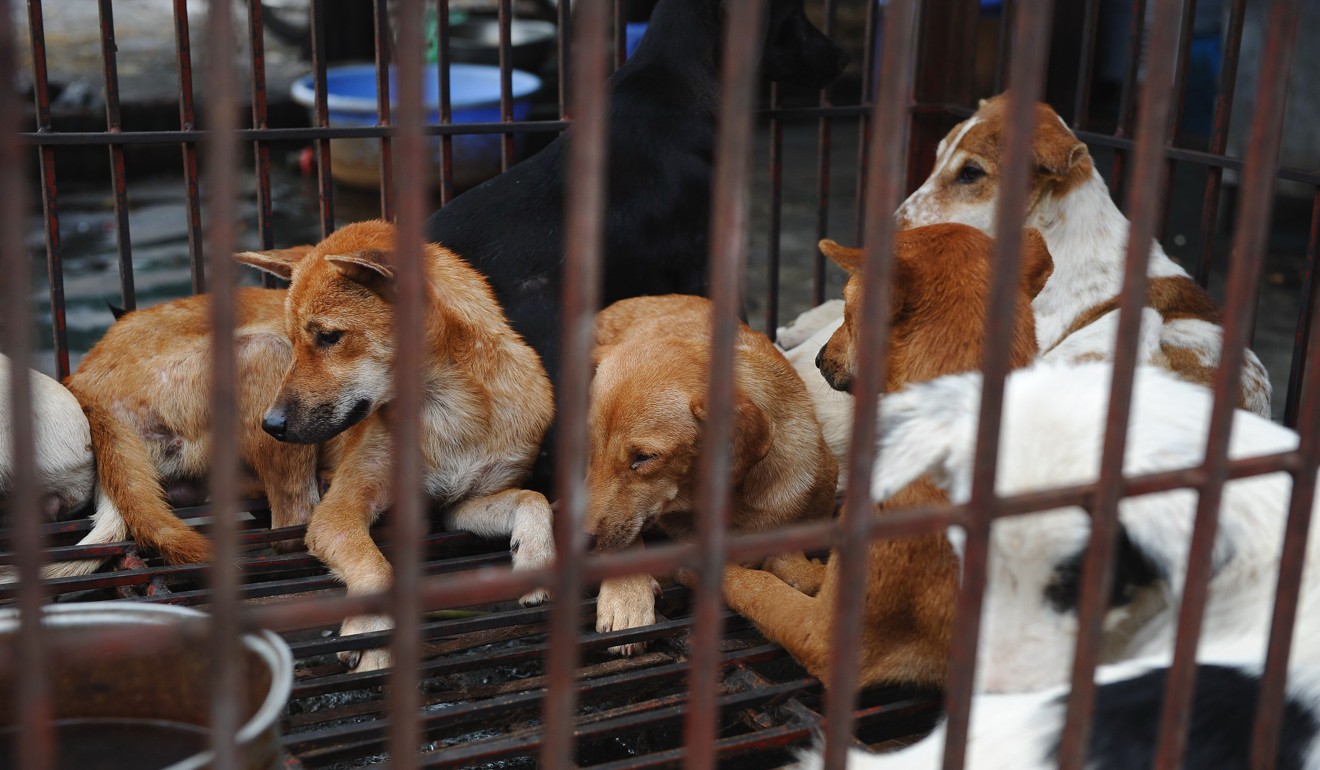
[(663, 104)]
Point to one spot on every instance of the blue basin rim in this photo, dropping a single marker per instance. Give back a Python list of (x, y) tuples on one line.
[(353, 88)]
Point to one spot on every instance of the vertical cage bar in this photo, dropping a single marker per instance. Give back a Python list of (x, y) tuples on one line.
[(260, 148), (1005, 44), (446, 102), (188, 122), (506, 81), (408, 511), (620, 32), (584, 233), (1310, 297), (1026, 81), (1255, 201), (221, 150), (1127, 96), (382, 23), (776, 217), (824, 147), (863, 123), (1219, 137), (49, 197), (890, 123), (325, 185), (1086, 64), (728, 255), (1150, 174), (1179, 90), (564, 21), (35, 748), (123, 241), (1269, 704)]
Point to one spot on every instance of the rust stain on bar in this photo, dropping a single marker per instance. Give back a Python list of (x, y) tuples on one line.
[(824, 145), (1086, 68), (728, 255), (505, 20), (1248, 253), (408, 511), (49, 199), (325, 185), (1098, 570), (1310, 298), (1127, 96), (1031, 38), (889, 128), (222, 161), (584, 229), (863, 129), (382, 20), (188, 122), (776, 217), (260, 149), (446, 102), (1219, 136), (123, 243)]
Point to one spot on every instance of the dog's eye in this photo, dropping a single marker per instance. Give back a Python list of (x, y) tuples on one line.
[(969, 173), (640, 458), (327, 338)]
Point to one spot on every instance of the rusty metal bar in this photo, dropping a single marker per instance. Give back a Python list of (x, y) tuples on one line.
[(1005, 42), (620, 32), (1269, 703), (408, 509), (188, 122), (506, 81), (1086, 64), (260, 149), (383, 111), (325, 185), (221, 160), (446, 102), (563, 23), (49, 198), (1219, 136), (889, 130), (865, 100), (1255, 201), (584, 239), (1310, 299), (36, 747), (1026, 81), (1127, 96), (741, 47), (824, 146), (776, 217), (1098, 569), (1179, 90), (109, 67)]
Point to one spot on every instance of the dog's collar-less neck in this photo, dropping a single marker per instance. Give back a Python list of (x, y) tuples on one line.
[(681, 31)]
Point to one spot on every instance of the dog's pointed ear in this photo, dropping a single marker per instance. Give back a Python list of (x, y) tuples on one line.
[(369, 268), (981, 103), (278, 262), (846, 257), (1037, 264), (753, 435), (1057, 151)]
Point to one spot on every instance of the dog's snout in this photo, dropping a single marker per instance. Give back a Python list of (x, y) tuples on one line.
[(275, 423), (820, 356), (591, 542)]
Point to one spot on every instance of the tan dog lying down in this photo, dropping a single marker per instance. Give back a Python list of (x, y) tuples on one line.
[(941, 281), (647, 412), (315, 371)]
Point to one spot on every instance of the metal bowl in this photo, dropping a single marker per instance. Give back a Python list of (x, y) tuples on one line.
[(477, 41)]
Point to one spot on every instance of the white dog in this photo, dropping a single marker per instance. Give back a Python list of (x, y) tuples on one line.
[(801, 340), (66, 472), (1053, 429)]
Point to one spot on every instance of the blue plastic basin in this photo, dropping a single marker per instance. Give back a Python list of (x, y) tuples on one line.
[(474, 96)]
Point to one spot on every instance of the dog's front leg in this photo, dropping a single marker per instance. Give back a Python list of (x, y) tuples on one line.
[(624, 603), (339, 536), (524, 517)]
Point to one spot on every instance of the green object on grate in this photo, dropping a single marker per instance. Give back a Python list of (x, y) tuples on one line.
[(432, 35)]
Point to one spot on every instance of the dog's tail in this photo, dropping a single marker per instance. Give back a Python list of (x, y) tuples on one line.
[(130, 490)]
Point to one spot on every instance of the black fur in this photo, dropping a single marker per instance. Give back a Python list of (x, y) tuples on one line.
[(1132, 571), (1127, 717), (663, 104)]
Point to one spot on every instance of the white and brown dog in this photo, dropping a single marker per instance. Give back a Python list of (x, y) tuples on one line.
[(1076, 314)]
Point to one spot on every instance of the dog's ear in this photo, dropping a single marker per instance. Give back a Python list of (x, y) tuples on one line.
[(279, 262), (1037, 264), (600, 353), (369, 268), (752, 435), (1057, 151), (846, 257)]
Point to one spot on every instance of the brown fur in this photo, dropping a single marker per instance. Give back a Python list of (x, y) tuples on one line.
[(648, 409), (937, 328), (488, 402)]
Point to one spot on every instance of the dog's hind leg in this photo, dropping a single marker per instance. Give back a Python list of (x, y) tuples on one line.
[(524, 517), (288, 478)]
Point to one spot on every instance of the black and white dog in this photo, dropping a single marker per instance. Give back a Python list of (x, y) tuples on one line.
[(663, 104), (1053, 429)]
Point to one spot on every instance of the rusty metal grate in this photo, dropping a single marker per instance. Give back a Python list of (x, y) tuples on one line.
[(504, 687)]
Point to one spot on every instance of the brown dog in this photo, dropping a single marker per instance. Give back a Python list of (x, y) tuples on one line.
[(941, 281), (316, 372), (646, 421)]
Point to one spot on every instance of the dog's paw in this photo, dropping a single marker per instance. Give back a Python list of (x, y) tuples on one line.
[(532, 546), (805, 326), (806, 575), (534, 598), (625, 603), (365, 660)]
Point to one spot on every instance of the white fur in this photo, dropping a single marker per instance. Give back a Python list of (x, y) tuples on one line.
[(63, 459), (1087, 237), (833, 409)]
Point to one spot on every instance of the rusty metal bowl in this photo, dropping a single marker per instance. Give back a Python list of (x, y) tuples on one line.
[(150, 710)]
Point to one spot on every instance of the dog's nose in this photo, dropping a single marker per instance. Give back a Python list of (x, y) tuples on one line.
[(275, 423), (820, 356), (591, 542)]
